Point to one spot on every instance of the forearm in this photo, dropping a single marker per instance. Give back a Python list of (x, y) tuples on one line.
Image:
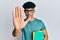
[(46, 37), (16, 32)]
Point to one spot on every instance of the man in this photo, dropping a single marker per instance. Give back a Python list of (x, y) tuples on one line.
[(30, 24)]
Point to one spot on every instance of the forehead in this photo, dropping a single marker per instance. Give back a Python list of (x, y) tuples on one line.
[(29, 9)]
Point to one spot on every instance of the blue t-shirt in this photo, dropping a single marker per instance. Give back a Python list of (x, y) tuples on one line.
[(32, 26)]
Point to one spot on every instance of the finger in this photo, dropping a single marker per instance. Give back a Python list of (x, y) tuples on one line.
[(21, 15), (19, 12), (13, 14), (16, 12)]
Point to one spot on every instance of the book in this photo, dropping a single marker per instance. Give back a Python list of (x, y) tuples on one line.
[(38, 35)]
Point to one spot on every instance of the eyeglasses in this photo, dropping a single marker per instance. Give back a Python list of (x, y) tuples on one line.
[(28, 10)]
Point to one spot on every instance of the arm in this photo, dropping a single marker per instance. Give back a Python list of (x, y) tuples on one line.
[(45, 35), (16, 32), (18, 21)]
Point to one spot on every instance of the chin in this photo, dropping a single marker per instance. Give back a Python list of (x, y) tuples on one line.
[(28, 16)]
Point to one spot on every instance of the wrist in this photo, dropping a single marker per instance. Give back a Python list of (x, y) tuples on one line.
[(17, 30)]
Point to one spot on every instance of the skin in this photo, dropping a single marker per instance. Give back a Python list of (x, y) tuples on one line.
[(19, 23)]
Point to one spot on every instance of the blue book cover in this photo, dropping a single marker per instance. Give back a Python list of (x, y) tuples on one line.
[(38, 35)]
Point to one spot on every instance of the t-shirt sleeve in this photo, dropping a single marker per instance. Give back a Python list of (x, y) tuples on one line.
[(43, 26)]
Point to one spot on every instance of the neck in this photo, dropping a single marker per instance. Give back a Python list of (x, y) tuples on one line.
[(32, 19)]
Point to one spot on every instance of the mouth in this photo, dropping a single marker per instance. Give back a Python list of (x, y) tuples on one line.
[(29, 15)]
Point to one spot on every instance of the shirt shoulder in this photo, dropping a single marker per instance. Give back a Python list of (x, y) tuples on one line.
[(41, 23), (39, 20)]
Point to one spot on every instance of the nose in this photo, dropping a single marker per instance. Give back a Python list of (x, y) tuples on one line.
[(29, 13)]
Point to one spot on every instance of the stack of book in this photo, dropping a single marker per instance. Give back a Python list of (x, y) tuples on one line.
[(38, 35)]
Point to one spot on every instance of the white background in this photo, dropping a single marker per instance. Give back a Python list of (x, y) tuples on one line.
[(46, 10)]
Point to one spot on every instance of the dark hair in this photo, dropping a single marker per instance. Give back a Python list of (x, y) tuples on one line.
[(29, 5)]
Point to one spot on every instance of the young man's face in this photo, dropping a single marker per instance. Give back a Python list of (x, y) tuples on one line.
[(29, 12)]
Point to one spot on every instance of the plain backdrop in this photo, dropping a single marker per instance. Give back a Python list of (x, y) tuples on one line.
[(46, 10)]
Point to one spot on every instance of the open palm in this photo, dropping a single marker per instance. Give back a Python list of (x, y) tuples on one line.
[(18, 19)]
